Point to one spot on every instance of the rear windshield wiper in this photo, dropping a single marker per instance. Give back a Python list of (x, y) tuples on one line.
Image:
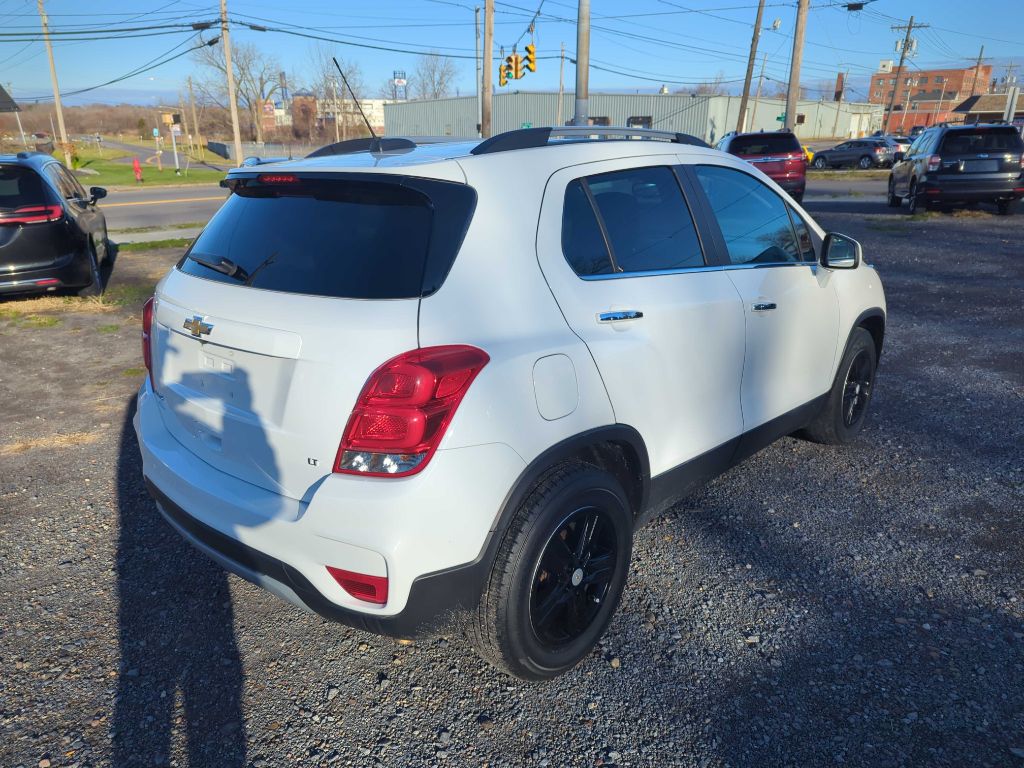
[(222, 265)]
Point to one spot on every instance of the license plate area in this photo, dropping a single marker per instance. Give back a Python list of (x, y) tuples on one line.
[(980, 166)]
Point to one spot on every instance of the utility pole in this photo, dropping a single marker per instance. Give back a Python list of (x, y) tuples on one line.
[(56, 88), (337, 118), (479, 104), (794, 65), (184, 123), (839, 103), (485, 87), (899, 70), (17, 115), (938, 107), (561, 84), (742, 119), (977, 70), (582, 114), (226, 37), (757, 96), (195, 120)]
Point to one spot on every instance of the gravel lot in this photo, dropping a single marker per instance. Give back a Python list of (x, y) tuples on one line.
[(813, 607)]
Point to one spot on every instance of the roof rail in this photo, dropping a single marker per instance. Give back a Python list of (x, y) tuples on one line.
[(372, 145), (528, 138)]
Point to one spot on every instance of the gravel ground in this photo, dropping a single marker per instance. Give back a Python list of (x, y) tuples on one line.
[(815, 606)]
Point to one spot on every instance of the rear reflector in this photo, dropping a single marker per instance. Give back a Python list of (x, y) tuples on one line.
[(31, 214), (405, 408), (369, 589)]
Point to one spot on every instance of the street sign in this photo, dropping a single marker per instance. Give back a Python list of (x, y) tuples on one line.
[(781, 118), (176, 130), (156, 132), (526, 125)]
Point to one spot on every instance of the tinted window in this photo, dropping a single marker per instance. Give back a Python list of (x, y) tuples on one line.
[(753, 219), (341, 238), (582, 241), (72, 182), (764, 144), (21, 186), (982, 140), (648, 224)]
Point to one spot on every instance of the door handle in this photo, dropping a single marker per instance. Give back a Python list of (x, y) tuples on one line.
[(619, 314), (765, 306)]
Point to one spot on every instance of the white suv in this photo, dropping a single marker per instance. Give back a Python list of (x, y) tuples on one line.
[(421, 389)]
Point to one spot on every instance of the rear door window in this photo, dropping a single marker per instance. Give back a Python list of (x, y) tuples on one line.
[(352, 238), (582, 242), (21, 186), (646, 219), (753, 219)]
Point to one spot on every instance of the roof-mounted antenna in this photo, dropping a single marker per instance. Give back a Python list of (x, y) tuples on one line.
[(375, 140)]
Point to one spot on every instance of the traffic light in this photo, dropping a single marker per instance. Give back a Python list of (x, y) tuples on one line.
[(502, 75), (531, 57), (517, 65)]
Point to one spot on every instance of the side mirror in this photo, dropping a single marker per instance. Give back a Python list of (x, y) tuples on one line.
[(840, 252), (96, 193)]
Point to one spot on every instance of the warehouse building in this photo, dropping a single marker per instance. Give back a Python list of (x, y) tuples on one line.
[(709, 117)]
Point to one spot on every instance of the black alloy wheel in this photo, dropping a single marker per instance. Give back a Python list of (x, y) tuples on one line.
[(912, 201), (857, 390), (820, 163), (572, 577), (893, 201), (864, 163)]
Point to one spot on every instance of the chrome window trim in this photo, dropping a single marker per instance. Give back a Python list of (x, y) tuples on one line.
[(684, 270)]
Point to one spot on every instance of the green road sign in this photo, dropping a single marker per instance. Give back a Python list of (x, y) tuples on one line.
[(526, 125), (781, 118)]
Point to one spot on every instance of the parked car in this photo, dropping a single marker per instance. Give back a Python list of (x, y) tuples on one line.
[(778, 154), (861, 153), (899, 144), (961, 164), (376, 392), (52, 234)]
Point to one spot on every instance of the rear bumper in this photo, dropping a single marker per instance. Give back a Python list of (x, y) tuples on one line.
[(69, 271), (429, 534), (978, 190), (793, 186)]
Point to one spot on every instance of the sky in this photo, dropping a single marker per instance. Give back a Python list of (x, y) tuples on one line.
[(635, 46)]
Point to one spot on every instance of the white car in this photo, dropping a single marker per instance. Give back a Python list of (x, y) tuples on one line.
[(424, 389)]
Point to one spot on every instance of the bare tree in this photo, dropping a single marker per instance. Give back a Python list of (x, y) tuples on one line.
[(256, 80), (329, 89), (712, 87), (433, 77)]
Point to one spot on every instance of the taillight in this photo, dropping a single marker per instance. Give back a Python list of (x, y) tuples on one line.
[(31, 214), (369, 589), (404, 409), (880, 150), (147, 339), (934, 162)]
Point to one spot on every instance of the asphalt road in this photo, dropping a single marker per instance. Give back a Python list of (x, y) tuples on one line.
[(816, 606), (162, 206)]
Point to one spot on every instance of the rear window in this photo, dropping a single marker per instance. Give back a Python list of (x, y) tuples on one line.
[(982, 140), (20, 186), (764, 144), (350, 238)]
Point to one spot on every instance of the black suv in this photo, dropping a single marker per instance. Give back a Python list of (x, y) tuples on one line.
[(52, 235), (961, 164)]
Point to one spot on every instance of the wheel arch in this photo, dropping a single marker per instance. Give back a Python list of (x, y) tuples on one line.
[(873, 321)]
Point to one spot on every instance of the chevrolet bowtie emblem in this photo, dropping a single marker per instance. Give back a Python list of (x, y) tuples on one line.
[(197, 327)]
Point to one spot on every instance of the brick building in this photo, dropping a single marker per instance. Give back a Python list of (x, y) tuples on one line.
[(925, 96)]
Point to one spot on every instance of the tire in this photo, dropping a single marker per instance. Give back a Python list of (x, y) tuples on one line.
[(913, 204), (95, 288), (819, 163), (1006, 207), (864, 163), (842, 418), (541, 610), (893, 200)]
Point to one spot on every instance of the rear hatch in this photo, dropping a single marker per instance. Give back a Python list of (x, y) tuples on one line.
[(983, 154), (32, 226), (777, 155), (295, 292)]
